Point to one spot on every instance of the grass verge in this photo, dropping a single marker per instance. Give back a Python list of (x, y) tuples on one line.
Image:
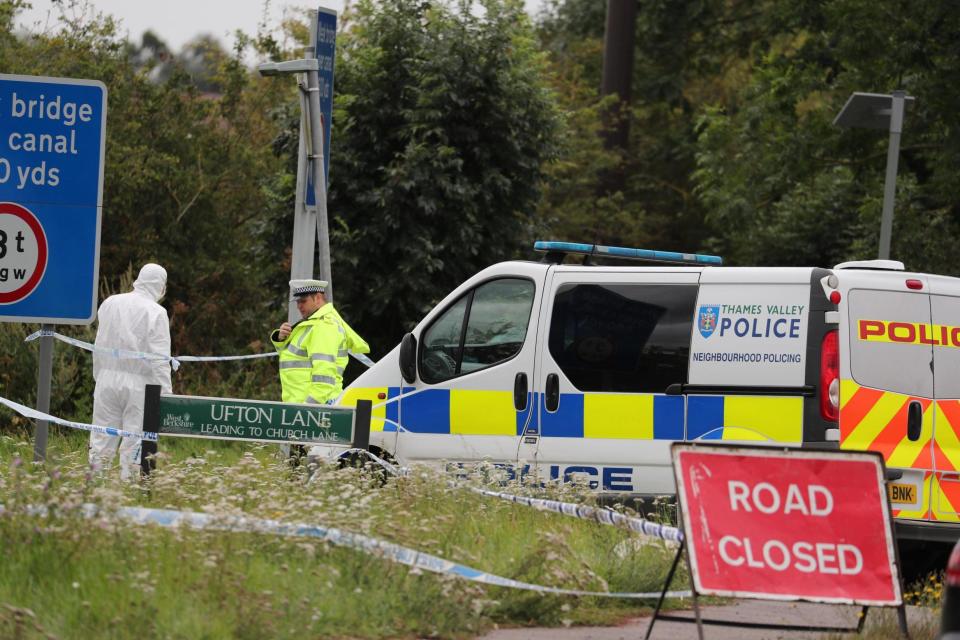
[(66, 576)]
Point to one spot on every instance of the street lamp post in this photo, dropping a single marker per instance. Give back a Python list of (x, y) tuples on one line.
[(308, 223), (880, 111)]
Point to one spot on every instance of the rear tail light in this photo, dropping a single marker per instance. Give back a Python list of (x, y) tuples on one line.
[(830, 377), (952, 579)]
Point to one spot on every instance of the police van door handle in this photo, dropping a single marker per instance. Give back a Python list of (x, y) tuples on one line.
[(552, 392), (914, 421), (520, 391)]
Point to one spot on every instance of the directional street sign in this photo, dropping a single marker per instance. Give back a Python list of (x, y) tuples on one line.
[(326, 55), (52, 133)]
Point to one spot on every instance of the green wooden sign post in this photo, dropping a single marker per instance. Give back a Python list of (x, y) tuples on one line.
[(252, 420)]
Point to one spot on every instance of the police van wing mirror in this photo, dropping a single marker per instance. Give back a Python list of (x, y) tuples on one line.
[(675, 389), (408, 358)]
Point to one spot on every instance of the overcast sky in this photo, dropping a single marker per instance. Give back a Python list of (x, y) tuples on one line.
[(177, 21)]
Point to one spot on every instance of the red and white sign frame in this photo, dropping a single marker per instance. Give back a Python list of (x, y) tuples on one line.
[(787, 524)]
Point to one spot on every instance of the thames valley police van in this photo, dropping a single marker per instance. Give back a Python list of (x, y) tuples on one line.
[(567, 370)]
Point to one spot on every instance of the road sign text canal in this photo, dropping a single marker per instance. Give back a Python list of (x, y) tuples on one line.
[(52, 133)]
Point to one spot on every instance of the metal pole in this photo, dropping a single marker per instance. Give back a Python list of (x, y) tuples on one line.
[(890, 182), (304, 221), (618, 53), (43, 393), (304, 218), (316, 166)]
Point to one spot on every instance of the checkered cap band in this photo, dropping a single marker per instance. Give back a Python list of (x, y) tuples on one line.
[(306, 287)]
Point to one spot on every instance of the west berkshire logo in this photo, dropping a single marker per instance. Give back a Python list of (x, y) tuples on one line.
[(707, 319)]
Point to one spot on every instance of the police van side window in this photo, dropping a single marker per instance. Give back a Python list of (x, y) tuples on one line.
[(623, 337), (486, 326), (890, 341)]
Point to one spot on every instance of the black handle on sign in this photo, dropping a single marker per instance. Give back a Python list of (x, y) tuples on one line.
[(151, 424), (520, 392), (361, 431), (914, 421), (552, 394)]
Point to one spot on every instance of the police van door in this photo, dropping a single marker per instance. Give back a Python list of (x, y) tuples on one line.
[(749, 356), (945, 481), (612, 341), (886, 380), (475, 358)]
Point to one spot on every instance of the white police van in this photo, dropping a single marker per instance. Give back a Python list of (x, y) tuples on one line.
[(564, 370)]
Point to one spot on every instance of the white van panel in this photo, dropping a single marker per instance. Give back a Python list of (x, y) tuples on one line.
[(750, 335), (756, 275)]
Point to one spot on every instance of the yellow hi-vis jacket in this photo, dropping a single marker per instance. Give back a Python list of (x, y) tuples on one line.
[(314, 355)]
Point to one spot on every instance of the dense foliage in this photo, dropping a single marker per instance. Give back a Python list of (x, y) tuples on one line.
[(800, 190), (732, 145), (442, 128)]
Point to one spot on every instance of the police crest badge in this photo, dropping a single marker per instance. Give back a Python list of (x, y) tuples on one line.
[(707, 319)]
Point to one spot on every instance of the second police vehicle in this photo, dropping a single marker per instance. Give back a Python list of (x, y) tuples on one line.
[(590, 371)]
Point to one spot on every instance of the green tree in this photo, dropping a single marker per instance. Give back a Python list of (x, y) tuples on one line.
[(688, 54), (784, 186), (442, 128)]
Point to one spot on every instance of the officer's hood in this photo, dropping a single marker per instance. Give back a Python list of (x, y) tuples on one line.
[(152, 281)]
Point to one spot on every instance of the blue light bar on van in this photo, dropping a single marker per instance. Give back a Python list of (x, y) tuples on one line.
[(626, 253)]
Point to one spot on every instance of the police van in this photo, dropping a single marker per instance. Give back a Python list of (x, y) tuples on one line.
[(584, 370)]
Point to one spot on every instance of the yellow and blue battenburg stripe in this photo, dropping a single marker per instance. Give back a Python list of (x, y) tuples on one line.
[(587, 415), (615, 415), (765, 418)]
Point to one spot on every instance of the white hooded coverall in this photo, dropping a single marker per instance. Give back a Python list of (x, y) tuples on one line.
[(133, 322)]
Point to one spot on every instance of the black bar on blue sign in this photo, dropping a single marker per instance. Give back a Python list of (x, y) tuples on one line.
[(151, 424)]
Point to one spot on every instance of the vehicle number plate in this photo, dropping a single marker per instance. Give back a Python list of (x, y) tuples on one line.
[(902, 493)]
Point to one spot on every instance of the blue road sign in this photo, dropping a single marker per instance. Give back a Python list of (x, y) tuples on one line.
[(52, 133), (326, 55)]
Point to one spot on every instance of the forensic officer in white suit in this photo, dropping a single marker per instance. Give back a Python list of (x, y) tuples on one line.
[(131, 321)]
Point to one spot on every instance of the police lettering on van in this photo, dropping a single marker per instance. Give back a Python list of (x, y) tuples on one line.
[(591, 370)]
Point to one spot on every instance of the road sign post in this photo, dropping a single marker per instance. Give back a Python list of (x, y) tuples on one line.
[(52, 133)]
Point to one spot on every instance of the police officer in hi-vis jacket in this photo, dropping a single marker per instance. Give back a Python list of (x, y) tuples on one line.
[(314, 351)]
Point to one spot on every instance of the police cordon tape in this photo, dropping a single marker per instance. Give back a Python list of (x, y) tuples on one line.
[(583, 512), (174, 361), (27, 412), (372, 546)]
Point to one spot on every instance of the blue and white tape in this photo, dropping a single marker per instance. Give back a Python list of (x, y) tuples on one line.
[(174, 361), (121, 354), (33, 414), (372, 546), (583, 512)]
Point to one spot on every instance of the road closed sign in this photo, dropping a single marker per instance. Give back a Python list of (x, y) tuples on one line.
[(787, 524), (52, 133)]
